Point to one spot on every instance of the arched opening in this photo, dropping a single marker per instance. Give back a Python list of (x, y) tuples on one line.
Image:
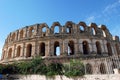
[(42, 49), (117, 49), (109, 49), (29, 50), (70, 48), (10, 53), (102, 68), (18, 51), (103, 27), (56, 30), (31, 31), (56, 48), (44, 29), (98, 46), (93, 31), (104, 34), (89, 69), (21, 34), (69, 30), (85, 48), (81, 28)]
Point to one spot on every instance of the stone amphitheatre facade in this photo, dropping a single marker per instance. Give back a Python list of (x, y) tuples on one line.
[(94, 45)]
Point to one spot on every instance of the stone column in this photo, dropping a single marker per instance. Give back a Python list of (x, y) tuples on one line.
[(51, 48), (90, 47), (23, 50), (47, 48), (14, 51), (80, 47), (33, 49), (65, 47), (76, 47), (61, 48)]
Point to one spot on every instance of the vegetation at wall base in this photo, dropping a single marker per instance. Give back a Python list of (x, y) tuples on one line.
[(38, 66)]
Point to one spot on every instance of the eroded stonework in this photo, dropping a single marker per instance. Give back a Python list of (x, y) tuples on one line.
[(62, 42)]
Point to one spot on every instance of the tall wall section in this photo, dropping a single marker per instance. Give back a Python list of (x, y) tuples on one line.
[(71, 39)]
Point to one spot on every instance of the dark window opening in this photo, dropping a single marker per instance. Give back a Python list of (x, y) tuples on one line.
[(71, 48), (29, 50), (42, 49), (85, 48), (98, 48)]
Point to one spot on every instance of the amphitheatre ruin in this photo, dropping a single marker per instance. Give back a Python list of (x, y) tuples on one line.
[(94, 45)]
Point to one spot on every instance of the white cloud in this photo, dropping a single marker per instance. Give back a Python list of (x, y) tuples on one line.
[(112, 8), (90, 19)]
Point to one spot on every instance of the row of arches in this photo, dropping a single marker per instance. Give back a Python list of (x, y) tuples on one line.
[(70, 50), (69, 28)]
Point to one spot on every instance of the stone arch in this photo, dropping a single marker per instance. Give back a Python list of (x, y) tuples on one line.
[(69, 27), (18, 51), (85, 47), (104, 30), (94, 28), (29, 50), (42, 49), (10, 53), (98, 47), (21, 34), (31, 31), (117, 49), (13, 37), (56, 45), (109, 49), (89, 69), (71, 49), (81, 27), (56, 27), (102, 68), (44, 29)]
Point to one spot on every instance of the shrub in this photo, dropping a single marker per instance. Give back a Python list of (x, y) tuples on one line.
[(74, 68)]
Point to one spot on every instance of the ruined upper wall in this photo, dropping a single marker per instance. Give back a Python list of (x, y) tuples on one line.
[(69, 28)]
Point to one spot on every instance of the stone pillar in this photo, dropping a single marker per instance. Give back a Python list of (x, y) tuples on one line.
[(90, 47), (51, 48), (21, 52), (80, 47), (14, 51), (61, 48), (76, 48), (47, 46), (33, 49), (25, 50), (65, 47)]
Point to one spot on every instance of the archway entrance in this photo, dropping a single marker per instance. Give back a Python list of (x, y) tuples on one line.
[(70, 48), (85, 48), (42, 49), (29, 50), (56, 48)]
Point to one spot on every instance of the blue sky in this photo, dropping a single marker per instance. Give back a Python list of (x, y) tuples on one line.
[(15, 14)]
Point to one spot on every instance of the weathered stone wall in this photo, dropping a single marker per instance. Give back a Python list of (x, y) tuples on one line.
[(86, 77), (42, 40)]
